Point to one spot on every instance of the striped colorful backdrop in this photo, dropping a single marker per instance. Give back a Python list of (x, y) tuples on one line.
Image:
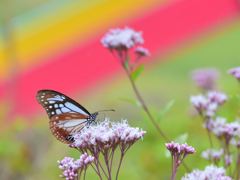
[(56, 45)]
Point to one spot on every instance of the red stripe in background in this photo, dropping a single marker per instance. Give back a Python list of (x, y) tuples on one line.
[(162, 29)]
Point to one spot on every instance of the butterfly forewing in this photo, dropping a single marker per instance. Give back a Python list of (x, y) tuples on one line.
[(67, 124), (67, 117), (57, 103)]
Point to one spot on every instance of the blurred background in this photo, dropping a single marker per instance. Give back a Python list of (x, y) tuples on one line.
[(55, 44)]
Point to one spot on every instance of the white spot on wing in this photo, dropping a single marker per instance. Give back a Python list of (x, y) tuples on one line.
[(53, 113), (58, 111), (55, 99), (64, 110), (56, 105), (74, 108), (50, 107), (74, 122), (51, 102)]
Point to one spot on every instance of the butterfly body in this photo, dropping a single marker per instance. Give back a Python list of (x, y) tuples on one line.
[(67, 117)]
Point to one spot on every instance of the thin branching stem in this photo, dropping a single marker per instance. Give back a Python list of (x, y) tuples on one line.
[(122, 154)]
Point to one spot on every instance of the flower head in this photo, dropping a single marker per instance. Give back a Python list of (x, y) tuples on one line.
[(235, 72), (221, 129), (107, 135), (142, 51), (212, 153), (205, 78), (178, 152), (209, 103), (228, 160), (175, 148), (210, 173), (71, 168), (122, 38), (217, 97)]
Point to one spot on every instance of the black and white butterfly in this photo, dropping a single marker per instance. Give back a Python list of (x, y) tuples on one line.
[(67, 117)]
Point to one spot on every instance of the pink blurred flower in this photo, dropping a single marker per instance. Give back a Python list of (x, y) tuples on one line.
[(208, 104), (212, 153), (235, 72), (205, 78), (210, 173), (228, 160), (142, 51)]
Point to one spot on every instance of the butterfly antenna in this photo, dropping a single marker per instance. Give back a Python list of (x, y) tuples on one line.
[(107, 110)]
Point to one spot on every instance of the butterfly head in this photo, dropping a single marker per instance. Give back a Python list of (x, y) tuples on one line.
[(91, 118)]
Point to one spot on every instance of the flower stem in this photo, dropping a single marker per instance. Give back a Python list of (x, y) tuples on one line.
[(149, 114), (145, 107), (122, 154), (85, 170), (210, 139)]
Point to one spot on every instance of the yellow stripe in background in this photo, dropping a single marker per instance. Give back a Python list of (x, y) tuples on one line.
[(66, 25)]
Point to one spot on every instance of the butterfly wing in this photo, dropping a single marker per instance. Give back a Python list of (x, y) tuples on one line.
[(67, 117), (64, 125), (57, 103)]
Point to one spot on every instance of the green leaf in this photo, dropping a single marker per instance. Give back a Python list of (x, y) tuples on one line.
[(136, 73), (165, 109), (135, 102), (181, 139), (126, 63)]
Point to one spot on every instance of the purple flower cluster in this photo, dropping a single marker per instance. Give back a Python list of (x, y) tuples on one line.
[(120, 43), (205, 78), (122, 38), (213, 154), (220, 128), (142, 51), (178, 153), (228, 160), (235, 72), (176, 149), (210, 173), (71, 168), (102, 136), (208, 104)]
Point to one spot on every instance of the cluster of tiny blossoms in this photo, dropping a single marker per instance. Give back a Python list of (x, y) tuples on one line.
[(213, 154), (205, 78), (221, 129), (210, 173), (120, 41), (122, 38), (178, 153), (72, 169), (235, 72), (102, 136), (208, 104)]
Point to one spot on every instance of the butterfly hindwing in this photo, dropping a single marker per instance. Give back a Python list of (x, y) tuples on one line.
[(56, 103), (65, 125)]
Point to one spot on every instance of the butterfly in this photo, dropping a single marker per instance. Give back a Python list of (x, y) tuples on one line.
[(67, 117)]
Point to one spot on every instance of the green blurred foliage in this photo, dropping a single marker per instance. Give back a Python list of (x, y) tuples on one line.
[(29, 151)]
